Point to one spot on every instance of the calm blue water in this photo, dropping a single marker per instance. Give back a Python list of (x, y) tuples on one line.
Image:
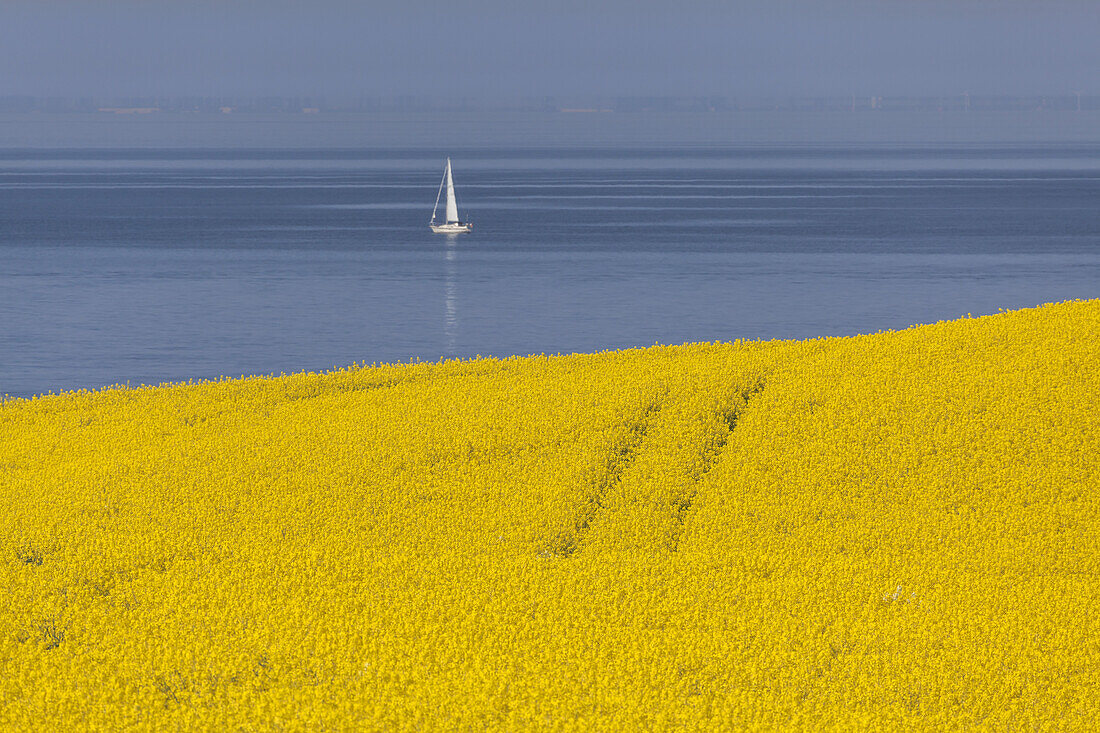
[(149, 266)]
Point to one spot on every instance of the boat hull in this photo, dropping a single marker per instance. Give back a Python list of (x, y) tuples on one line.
[(451, 228)]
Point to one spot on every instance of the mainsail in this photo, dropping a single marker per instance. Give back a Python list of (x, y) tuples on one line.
[(452, 205)]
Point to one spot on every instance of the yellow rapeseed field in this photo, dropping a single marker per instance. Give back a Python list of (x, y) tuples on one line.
[(891, 531)]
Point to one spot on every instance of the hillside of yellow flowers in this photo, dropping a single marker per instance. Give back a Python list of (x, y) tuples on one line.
[(892, 531)]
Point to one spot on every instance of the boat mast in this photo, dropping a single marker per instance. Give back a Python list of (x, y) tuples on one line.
[(452, 202)]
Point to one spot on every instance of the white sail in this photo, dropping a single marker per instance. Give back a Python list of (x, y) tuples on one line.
[(452, 204)]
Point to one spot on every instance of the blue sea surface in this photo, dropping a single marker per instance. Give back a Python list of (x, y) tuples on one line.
[(153, 265)]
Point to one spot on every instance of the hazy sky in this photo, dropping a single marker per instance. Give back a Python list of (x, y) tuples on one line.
[(490, 48)]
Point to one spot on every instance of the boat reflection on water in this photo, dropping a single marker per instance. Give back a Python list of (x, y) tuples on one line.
[(450, 295)]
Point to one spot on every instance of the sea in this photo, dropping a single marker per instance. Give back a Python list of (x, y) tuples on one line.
[(151, 264)]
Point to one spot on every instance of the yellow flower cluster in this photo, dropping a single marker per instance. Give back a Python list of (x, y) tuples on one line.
[(890, 531)]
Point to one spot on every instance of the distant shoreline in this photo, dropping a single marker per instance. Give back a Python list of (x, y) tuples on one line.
[(150, 128)]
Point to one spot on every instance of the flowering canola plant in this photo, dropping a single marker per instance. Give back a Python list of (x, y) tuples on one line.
[(898, 530)]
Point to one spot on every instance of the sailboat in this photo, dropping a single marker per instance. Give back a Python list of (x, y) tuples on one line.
[(452, 225)]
